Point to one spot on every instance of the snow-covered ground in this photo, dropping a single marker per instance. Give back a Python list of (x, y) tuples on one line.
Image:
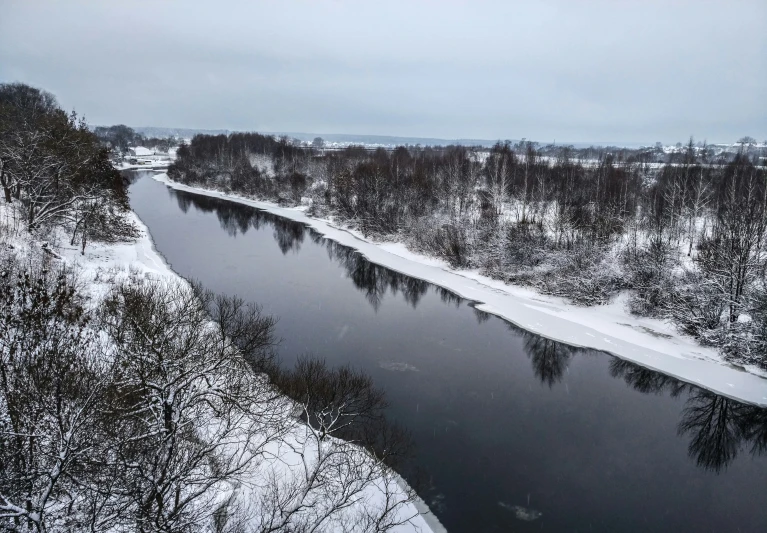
[(154, 165), (102, 262), (649, 342)]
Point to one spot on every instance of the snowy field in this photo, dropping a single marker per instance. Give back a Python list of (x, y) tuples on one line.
[(649, 342)]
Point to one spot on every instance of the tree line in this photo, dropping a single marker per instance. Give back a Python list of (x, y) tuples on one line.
[(686, 238)]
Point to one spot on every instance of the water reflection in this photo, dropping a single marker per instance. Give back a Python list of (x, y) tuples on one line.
[(288, 235), (481, 316), (718, 428), (549, 358), (373, 280), (645, 380)]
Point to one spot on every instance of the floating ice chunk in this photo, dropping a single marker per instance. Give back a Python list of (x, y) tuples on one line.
[(522, 513)]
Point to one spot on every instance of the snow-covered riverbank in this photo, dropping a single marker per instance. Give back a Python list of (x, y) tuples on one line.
[(104, 261), (648, 342)]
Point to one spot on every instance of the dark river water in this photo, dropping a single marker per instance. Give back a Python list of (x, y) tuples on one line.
[(500, 417)]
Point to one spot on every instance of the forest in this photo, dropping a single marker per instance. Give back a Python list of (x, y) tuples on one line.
[(682, 234)]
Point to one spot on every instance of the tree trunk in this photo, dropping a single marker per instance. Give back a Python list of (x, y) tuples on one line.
[(4, 182)]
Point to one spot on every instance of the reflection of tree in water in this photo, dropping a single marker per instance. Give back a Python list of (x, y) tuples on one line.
[(412, 289), (718, 428), (713, 424), (549, 358), (369, 278), (645, 380), (481, 316), (234, 218), (288, 234), (183, 201), (237, 218), (373, 280), (448, 297), (754, 427)]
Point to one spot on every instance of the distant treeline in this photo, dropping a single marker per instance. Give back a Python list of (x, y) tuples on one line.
[(120, 137), (686, 237)]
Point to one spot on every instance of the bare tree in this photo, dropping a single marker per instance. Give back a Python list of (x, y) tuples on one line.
[(339, 456), (196, 419), (52, 379), (730, 257)]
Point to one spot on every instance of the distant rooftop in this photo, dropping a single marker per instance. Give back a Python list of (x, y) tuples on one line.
[(141, 151)]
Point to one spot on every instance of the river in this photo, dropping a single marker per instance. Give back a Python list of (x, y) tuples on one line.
[(502, 419)]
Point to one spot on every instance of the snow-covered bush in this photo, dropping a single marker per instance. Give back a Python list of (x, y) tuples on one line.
[(319, 196), (525, 245), (745, 341), (444, 240), (586, 275), (696, 306), (52, 384), (649, 273)]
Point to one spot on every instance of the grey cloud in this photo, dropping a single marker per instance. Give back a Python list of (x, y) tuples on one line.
[(571, 71)]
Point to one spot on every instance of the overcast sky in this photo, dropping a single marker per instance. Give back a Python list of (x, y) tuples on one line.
[(569, 70)]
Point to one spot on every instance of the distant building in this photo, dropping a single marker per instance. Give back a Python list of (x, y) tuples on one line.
[(140, 155), (140, 151)]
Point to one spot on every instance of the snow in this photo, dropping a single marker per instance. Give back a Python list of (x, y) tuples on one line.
[(104, 261), (140, 255), (649, 342), (140, 151), (147, 165)]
